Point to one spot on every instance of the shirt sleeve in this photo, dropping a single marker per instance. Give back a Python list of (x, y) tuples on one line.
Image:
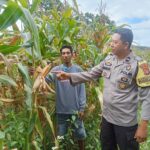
[(144, 95), (81, 94), (82, 97), (50, 76), (82, 77)]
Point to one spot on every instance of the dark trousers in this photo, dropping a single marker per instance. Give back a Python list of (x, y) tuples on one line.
[(113, 137)]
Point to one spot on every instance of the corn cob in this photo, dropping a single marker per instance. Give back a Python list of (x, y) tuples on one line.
[(45, 71), (40, 83)]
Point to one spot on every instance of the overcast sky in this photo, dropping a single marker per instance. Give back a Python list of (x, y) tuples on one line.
[(135, 13)]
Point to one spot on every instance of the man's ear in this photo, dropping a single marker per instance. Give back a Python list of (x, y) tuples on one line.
[(126, 44)]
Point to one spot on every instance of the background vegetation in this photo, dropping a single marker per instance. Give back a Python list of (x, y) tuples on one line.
[(31, 34)]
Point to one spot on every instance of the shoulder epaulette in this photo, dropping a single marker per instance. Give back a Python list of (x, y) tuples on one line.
[(138, 58), (143, 75)]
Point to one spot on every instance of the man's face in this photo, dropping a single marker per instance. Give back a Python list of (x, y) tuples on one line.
[(66, 55), (117, 45)]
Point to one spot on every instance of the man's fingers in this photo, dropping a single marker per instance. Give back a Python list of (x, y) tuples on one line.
[(140, 140), (56, 72)]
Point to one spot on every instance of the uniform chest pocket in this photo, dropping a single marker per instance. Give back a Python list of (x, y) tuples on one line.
[(124, 79)]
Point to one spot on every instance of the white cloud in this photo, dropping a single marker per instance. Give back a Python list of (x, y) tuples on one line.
[(119, 10)]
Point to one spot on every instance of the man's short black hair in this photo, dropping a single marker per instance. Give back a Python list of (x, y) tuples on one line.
[(126, 35), (66, 46)]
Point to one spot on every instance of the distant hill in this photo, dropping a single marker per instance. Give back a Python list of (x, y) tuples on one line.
[(142, 51), (134, 47)]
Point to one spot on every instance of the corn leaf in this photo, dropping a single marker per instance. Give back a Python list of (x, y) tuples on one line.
[(10, 15), (48, 117), (67, 39), (67, 13), (24, 3), (38, 127), (100, 96), (24, 72), (2, 136), (35, 4), (7, 80), (7, 100), (37, 147), (30, 24), (7, 49)]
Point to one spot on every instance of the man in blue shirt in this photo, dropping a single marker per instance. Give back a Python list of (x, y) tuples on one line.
[(70, 100)]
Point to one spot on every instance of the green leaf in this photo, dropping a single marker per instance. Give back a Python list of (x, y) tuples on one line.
[(28, 86), (37, 147), (28, 99), (73, 118), (67, 39), (24, 3), (25, 74), (100, 96), (7, 49), (29, 22), (34, 5), (67, 13), (7, 80), (32, 123), (76, 7), (2, 135), (10, 15), (48, 117), (38, 127)]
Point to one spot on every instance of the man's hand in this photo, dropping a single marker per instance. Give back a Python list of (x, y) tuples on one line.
[(142, 132), (81, 115), (61, 75)]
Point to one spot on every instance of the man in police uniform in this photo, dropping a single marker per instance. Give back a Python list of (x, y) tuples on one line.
[(126, 82)]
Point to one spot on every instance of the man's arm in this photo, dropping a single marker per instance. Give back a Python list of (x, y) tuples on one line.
[(142, 131), (50, 76), (82, 99), (81, 77)]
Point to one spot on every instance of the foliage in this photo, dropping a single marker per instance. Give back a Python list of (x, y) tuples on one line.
[(143, 52), (31, 36)]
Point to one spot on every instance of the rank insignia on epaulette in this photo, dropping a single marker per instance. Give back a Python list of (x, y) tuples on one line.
[(143, 75)]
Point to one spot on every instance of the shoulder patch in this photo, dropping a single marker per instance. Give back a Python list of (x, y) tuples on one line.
[(143, 75)]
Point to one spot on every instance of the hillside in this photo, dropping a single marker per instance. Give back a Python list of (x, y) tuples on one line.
[(142, 51), (141, 48)]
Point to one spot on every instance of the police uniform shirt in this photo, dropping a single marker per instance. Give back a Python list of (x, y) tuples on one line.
[(121, 93)]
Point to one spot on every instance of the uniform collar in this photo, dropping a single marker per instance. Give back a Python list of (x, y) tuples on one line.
[(127, 59)]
